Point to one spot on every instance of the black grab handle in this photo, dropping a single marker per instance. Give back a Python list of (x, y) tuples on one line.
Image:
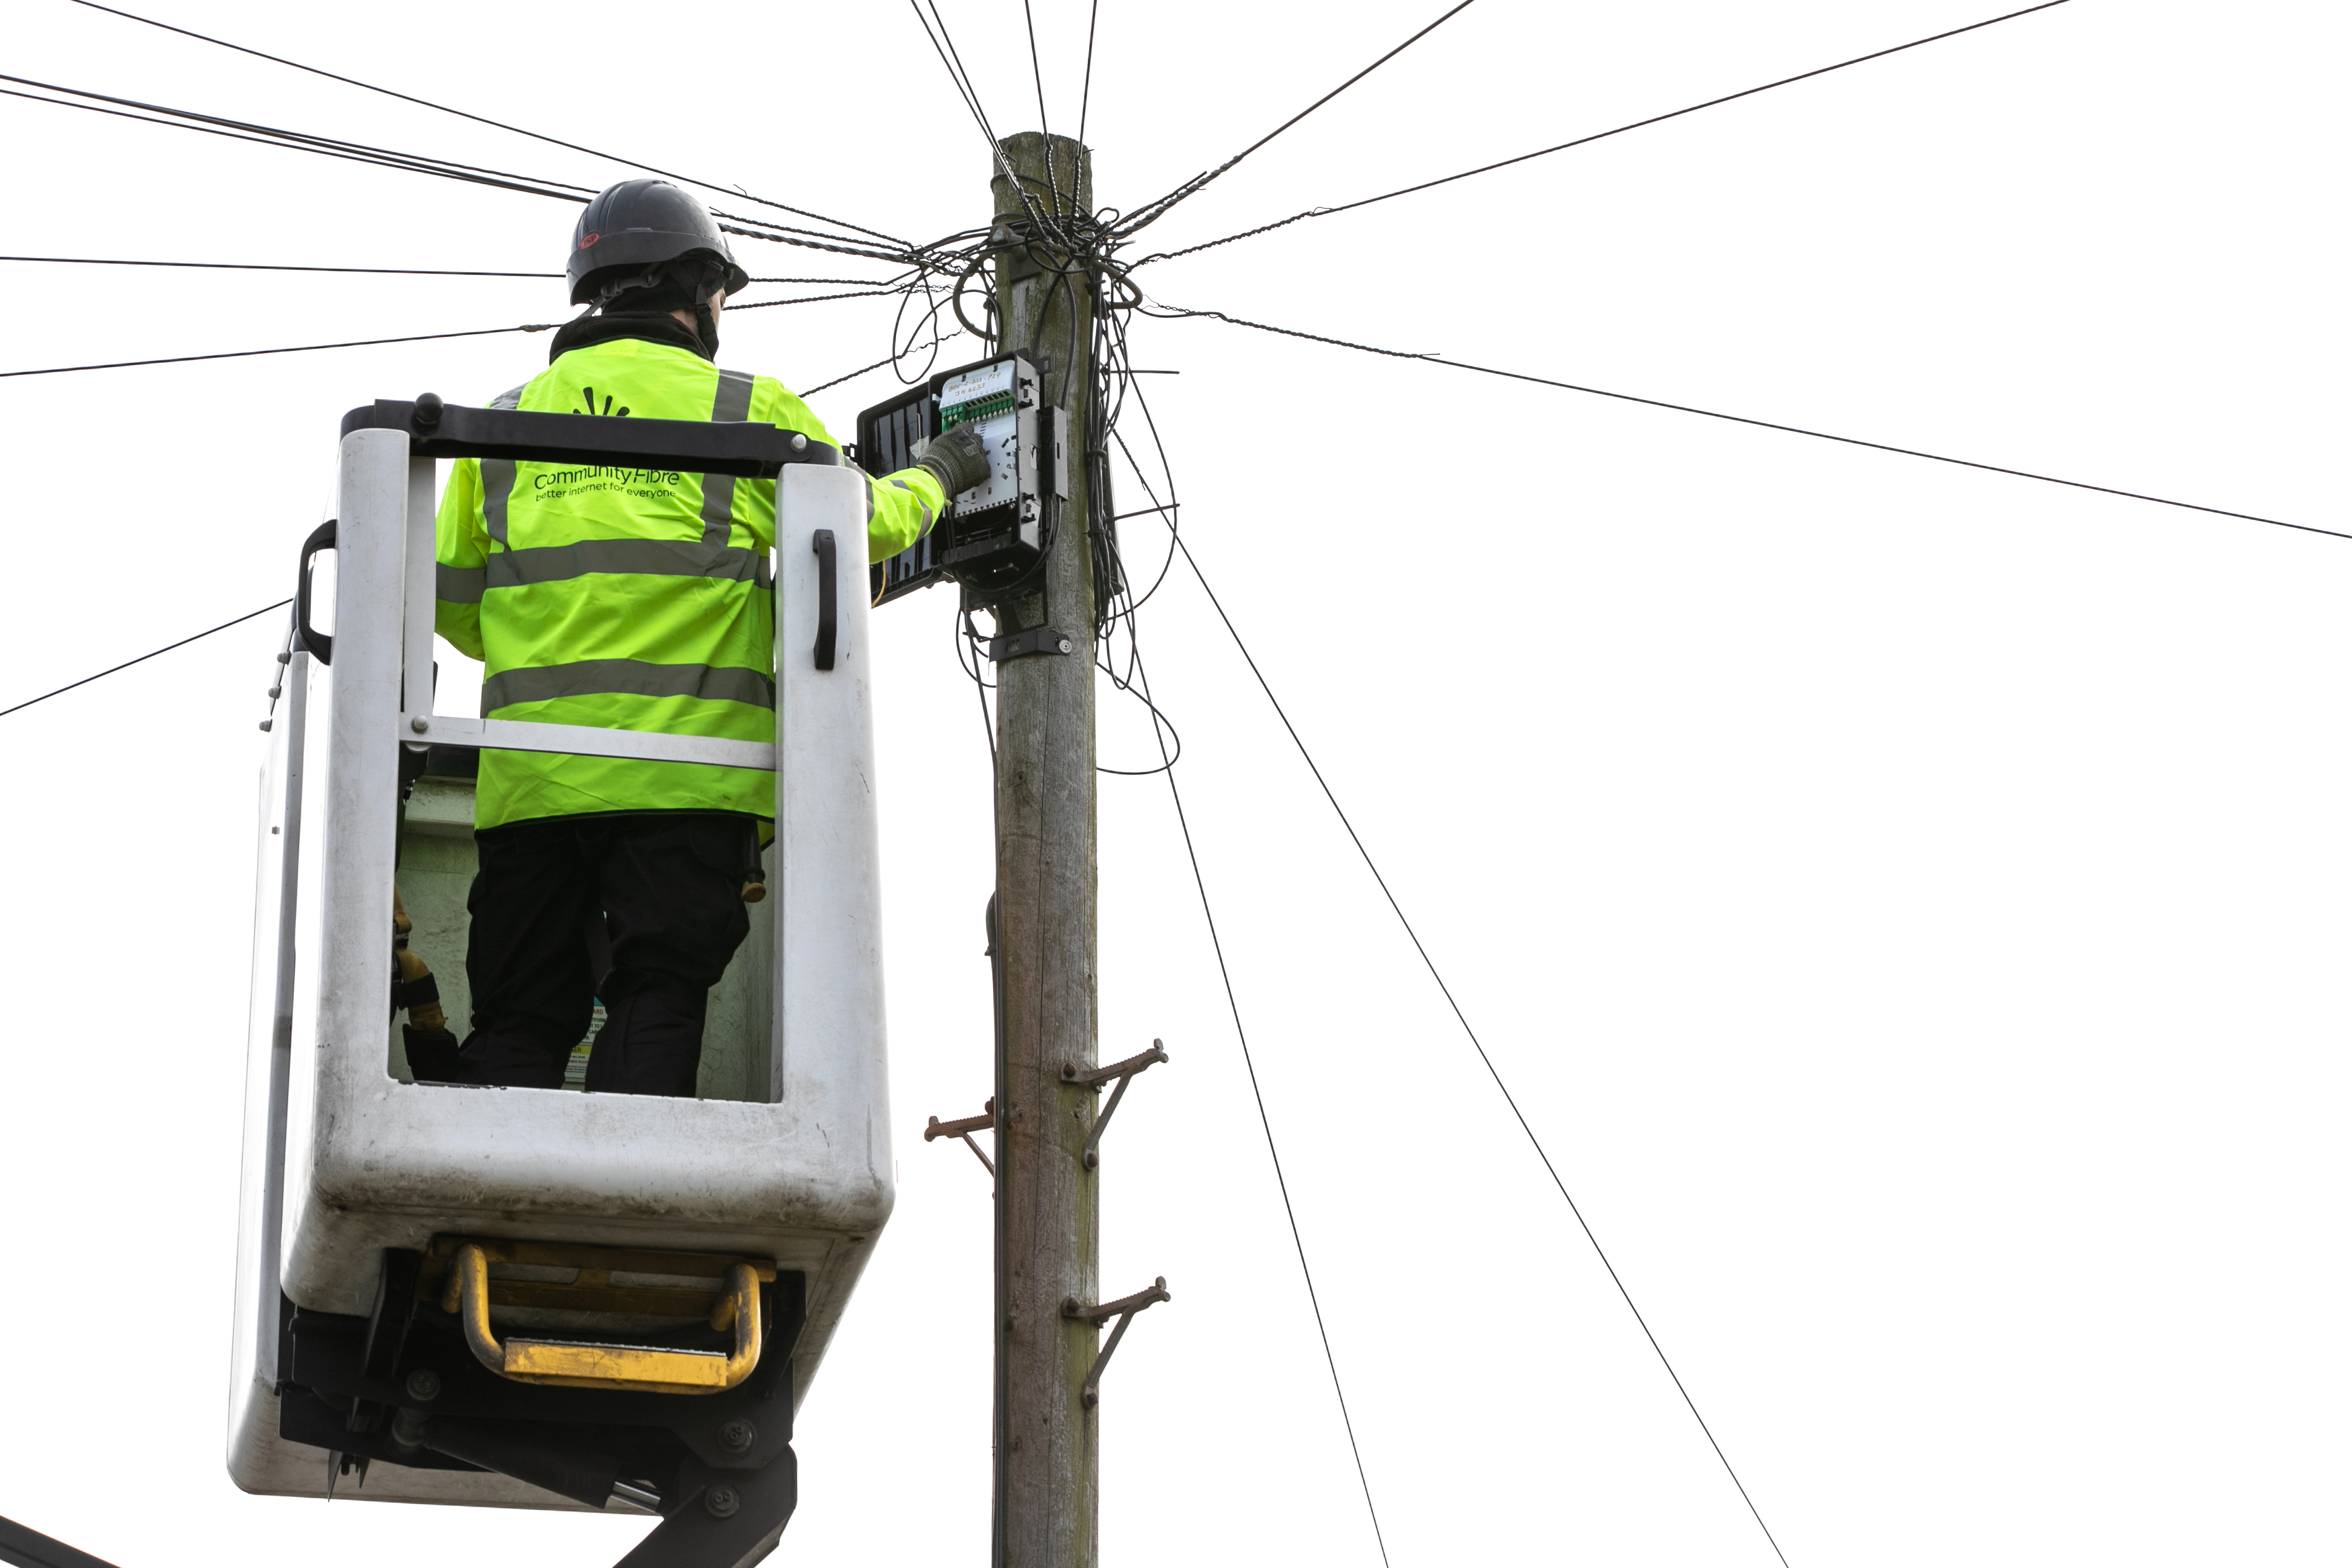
[(828, 597), (320, 646)]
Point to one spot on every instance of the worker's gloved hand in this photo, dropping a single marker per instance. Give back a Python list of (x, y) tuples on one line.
[(957, 458)]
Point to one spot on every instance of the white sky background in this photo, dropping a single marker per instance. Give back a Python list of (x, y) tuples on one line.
[(1907, 901)]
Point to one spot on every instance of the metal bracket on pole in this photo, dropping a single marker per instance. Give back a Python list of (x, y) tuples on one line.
[(965, 1129), (1036, 639), (1099, 1077), (1124, 1310)]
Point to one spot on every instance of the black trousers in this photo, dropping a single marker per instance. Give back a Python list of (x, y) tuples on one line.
[(666, 888)]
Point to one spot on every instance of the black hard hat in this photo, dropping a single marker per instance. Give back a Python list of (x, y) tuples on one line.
[(639, 223)]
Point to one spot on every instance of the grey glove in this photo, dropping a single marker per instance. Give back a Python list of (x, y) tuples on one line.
[(957, 458)]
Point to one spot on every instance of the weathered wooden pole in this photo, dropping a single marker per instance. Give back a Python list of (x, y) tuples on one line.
[(1044, 937)]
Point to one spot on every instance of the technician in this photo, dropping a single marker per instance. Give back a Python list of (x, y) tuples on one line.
[(628, 599)]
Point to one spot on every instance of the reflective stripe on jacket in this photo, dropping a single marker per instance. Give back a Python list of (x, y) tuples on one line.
[(631, 599)]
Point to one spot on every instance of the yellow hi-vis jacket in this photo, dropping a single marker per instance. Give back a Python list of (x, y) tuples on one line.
[(631, 599)]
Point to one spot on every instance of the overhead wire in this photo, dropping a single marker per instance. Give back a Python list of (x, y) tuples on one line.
[(1113, 386), (1170, 511), (928, 322), (1600, 135), (1266, 1124), (1479, 1046), (955, 253), (295, 349), (815, 299), (955, 77), (1152, 212), (943, 45), (431, 337), (1159, 718), (836, 241), (387, 272), (481, 120), (144, 658), (864, 370), (412, 162), (1044, 122), (781, 238), (1037, 76), (297, 141), (1118, 601), (1759, 424), (1086, 87), (820, 280)]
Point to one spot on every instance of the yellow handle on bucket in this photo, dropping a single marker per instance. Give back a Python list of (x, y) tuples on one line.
[(634, 1368)]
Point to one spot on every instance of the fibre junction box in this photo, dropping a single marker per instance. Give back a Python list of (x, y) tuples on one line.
[(995, 532)]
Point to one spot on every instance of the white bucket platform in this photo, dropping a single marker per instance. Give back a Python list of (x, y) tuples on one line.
[(362, 1185)]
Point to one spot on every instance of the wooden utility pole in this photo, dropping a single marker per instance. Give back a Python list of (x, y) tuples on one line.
[(1045, 936)]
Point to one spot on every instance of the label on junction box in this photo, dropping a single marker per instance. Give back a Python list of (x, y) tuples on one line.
[(985, 398)]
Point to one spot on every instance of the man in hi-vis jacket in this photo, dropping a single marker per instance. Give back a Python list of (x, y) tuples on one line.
[(630, 600)]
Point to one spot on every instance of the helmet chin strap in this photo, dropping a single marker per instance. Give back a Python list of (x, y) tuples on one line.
[(709, 279)]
